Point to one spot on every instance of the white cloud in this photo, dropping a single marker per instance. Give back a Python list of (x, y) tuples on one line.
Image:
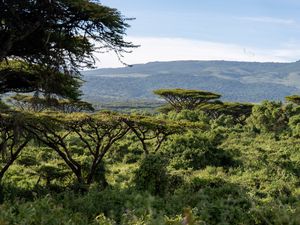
[(169, 49), (273, 20)]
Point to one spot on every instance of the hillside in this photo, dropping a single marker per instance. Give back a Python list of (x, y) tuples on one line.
[(237, 81)]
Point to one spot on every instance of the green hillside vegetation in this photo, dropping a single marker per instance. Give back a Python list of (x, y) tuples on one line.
[(198, 158), (218, 163), (236, 81)]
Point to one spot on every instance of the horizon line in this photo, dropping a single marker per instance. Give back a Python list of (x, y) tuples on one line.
[(193, 60)]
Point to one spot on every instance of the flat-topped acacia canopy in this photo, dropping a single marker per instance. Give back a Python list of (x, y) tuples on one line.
[(293, 98), (238, 110), (38, 104), (186, 99)]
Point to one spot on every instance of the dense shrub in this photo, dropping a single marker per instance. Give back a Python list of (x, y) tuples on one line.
[(294, 125), (189, 115), (269, 117), (152, 175), (196, 151)]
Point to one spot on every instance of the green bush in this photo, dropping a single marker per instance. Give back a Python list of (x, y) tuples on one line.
[(294, 125), (269, 116), (152, 175), (196, 151)]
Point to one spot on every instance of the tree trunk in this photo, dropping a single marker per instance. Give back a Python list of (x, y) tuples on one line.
[(1, 193)]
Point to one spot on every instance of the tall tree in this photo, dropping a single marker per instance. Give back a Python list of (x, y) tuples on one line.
[(58, 34)]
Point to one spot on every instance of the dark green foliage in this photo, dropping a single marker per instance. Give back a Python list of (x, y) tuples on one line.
[(1, 194), (99, 176), (198, 166), (189, 115), (214, 171), (294, 125), (13, 139), (238, 111), (62, 33), (39, 79), (52, 41), (165, 109), (127, 151), (29, 158), (50, 172), (214, 198), (294, 99), (269, 117), (196, 151), (3, 106), (152, 175)]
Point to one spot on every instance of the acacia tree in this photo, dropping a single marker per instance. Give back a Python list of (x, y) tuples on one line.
[(95, 134), (152, 132), (13, 139), (181, 99), (58, 35), (39, 104), (98, 133), (293, 99), (239, 111)]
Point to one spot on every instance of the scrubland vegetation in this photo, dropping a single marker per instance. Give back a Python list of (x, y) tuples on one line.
[(199, 166), (195, 160)]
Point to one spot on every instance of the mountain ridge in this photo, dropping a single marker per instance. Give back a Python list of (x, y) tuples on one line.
[(234, 80)]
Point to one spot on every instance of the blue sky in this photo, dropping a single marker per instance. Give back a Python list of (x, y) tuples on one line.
[(244, 30)]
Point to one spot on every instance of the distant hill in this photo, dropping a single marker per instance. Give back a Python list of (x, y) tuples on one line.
[(236, 81)]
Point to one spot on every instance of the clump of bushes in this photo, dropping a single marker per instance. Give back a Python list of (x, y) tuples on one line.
[(152, 175), (196, 151)]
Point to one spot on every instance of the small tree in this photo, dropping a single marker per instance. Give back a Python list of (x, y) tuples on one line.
[(98, 133), (95, 134), (186, 99), (13, 139)]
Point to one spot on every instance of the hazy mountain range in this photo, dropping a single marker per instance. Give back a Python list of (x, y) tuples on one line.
[(235, 81)]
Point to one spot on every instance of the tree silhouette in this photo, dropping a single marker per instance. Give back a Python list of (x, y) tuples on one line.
[(58, 35), (186, 99)]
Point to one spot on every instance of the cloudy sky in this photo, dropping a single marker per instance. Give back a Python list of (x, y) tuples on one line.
[(243, 30)]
